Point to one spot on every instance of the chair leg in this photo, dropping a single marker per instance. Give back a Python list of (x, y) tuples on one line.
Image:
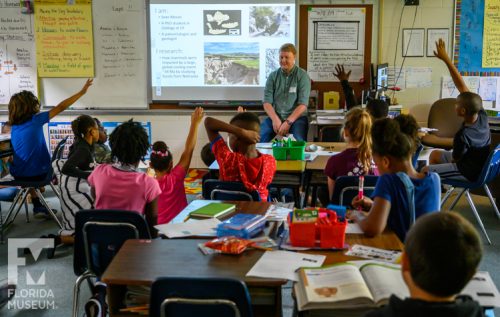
[(487, 190), (16, 206), (446, 196), (27, 211), (455, 201), (76, 290), (44, 202), (476, 214), (56, 191)]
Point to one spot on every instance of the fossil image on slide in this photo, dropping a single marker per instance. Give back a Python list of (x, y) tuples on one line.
[(272, 60), (222, 22), (231, 63), (269, 21)]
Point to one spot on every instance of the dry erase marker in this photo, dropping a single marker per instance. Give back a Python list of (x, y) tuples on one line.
[(360, 189)]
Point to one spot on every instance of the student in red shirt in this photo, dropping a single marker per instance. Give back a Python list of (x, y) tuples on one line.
[(244, 163)]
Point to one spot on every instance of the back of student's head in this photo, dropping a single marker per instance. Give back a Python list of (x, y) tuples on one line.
[(161, 157), (82, 125), (444, 251), (207, 156), (246, 120), (409, 126), (358, 124), (22, 106), (377, 108), (129, 142), (471, 102), (388, 140)]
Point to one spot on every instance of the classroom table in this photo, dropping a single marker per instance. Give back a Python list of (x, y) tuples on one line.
[(140, 262)]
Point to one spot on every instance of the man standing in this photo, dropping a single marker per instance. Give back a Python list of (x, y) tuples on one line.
[(285, 99)]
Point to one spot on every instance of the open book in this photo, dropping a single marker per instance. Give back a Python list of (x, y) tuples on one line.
[(346, 285)]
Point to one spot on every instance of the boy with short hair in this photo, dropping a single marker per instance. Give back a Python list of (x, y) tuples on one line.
[(241, 162), (442, 252), (471, 144)]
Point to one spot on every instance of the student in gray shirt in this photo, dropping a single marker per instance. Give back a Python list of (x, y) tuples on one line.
[(285, 99)]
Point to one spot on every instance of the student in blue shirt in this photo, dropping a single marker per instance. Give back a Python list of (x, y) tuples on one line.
[(401, 194), (31, 160), (286, 97)]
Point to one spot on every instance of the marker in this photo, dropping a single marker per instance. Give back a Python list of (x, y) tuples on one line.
[(360, 189)]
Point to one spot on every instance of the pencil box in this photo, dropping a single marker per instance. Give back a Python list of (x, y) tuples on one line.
[(243, 226)]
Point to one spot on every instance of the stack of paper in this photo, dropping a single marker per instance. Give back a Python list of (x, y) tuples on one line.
[(205, 227)]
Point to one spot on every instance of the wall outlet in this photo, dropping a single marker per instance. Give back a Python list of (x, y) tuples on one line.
[(411, 2)]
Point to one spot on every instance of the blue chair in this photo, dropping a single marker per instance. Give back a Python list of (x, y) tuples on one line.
[(414, 158), (491, 169), (346, 188), (214, 189), (208, 297), (99, 234)]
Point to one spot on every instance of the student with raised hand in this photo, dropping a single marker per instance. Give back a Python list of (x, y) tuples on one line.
[(172, 199), (471, 144), (441, 254), (121, 185), (356, 159), (401, 194), (31, 161), (244, 163)]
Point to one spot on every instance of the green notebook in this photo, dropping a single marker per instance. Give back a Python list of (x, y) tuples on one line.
[(212, 210)]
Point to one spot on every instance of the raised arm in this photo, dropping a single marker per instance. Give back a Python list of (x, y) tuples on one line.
[(343, 77), (440, 53), (186, 156), (214, 126), (63, 105)]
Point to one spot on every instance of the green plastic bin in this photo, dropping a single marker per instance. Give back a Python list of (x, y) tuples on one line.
[(293, 151)]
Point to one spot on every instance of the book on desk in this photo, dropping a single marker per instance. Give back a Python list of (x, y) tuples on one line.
[(212, 210)]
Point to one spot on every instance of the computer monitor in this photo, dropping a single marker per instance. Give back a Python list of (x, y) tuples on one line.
[(382, 70)]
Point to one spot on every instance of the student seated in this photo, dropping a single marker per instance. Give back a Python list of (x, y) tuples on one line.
[(102, 151), (441, 254), (471, 144), (121, 185), (375, 107), (401, 193), (356, 159), (244, 163), (172, 199), (31, 161), (72, 173), (409, 126)]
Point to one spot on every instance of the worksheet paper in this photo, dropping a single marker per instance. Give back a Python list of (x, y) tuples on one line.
[(284, 264), (418, 77), (204, 227)]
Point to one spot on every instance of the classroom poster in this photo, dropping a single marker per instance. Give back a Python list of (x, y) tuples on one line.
[(491, 34), (64, 40), (336, 36), (17, 51)]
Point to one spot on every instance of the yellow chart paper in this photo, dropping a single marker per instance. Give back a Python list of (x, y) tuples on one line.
[(64, 40)]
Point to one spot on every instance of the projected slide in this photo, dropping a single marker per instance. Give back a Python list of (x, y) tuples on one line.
[(216, 47)]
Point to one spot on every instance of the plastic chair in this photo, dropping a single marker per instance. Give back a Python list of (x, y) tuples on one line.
[(21, 197), (99, 235), (414, 158), (186, 296), (346, 188), (214, 189), (330, 133), (442, 116), (491, 170)]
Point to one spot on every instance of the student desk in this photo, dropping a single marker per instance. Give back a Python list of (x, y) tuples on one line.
[(140, 262)]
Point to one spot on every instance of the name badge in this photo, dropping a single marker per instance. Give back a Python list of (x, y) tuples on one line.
[(293, 90)]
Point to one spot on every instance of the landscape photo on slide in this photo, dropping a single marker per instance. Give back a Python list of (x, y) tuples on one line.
[(230, 63), (222, 22), (269, 21)]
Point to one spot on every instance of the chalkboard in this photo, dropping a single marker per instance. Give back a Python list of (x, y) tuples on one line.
[(469, 37), (120, 48)]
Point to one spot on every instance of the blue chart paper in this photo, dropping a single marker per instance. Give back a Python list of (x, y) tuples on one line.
[(469, 39)]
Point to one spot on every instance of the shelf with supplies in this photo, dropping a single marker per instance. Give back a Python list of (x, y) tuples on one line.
[(336, 117)]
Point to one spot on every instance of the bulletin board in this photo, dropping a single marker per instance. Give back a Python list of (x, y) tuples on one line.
[(361, 22), (477, 25)]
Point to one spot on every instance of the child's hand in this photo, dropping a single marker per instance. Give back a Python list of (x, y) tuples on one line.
[(340, 73), (249, 136), (241, 109), (88, 83), (365, 203), (440, 51), (197, 115)]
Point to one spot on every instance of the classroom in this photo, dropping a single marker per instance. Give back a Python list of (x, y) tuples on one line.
[(249, 158)]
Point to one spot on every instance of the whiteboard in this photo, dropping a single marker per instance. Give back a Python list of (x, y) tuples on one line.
[(120, 48)]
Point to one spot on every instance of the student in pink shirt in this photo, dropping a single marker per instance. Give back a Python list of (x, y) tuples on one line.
[(121, 185), (172, 199)]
